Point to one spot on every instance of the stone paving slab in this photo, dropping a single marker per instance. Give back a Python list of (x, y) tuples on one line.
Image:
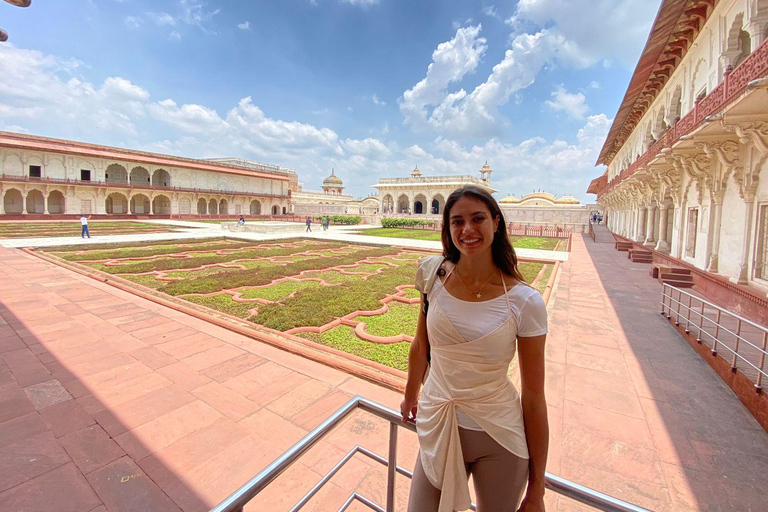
[(98, 407)]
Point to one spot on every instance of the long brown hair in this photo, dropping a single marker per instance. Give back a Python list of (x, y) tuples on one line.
[(503, 253)]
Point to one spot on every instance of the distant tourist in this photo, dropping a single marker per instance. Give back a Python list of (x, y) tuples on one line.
[(476, 312), (326, 222), (241, 222), (309, 224), (84, 223)]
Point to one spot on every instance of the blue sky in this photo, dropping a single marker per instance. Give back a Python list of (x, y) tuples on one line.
[(370, 88)]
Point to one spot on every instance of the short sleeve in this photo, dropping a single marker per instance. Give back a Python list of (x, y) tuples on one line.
[(420, 281), (427, 265), (533, 317)]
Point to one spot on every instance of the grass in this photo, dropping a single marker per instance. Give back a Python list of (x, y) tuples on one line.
[(223, 302), (394, 355), (412, 293), (519, 242), (279, 291), (400, 319), (542, 284)]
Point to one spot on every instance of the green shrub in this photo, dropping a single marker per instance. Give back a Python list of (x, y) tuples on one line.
[(388, 222)]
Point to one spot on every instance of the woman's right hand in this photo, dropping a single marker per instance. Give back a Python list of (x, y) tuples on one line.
[(408, 409)]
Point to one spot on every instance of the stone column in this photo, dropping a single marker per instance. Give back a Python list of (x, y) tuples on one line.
[(651, 217), (23, 204), (714, 232), (640, 224), (45, 204), (662, 244), (2, 202), (677, 243), (742, 274)]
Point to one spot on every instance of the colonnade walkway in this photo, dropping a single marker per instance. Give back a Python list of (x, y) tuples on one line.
[(111, 402)]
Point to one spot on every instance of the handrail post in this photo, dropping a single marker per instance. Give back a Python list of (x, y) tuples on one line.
[(392, 467), (736, 346), (688, 315), (717, 333), (758, 385), (701, 322)]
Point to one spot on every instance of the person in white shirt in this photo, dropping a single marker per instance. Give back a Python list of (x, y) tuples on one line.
[(84, 223), (469, 416)]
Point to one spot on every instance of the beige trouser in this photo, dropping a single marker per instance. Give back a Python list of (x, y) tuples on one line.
[(499, 476)]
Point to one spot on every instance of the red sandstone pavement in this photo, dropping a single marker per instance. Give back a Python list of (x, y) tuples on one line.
[(111, 402)]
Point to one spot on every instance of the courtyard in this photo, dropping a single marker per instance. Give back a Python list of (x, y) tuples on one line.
[(73, 227)]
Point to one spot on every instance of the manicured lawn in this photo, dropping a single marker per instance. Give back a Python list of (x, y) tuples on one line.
[(522, 242), (354, 278), (23, 229)]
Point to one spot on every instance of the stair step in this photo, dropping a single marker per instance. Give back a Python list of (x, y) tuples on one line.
[(678, 284)]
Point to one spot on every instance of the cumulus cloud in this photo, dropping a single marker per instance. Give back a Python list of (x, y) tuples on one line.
[(377, 101), (572, 104), (161, 19), (194, 12), (490, 10), (246, 25), (132, 22)]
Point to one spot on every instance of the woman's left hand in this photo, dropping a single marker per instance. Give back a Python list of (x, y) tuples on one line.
[(532, 504)]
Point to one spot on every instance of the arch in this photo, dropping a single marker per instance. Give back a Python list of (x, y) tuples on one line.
[(659, 124), (388, 203), (183, 180), (674, 110), (223, 207), (255, 207), (12, 166), (420, 204), (438, 203), (116, 203), (139, 176), (13, 201), (202, 206), (185, 206), (35, 202), (275, 209), (699, 69), (213, 207), (161, 178), (745, 47), (161, 205), (115, 173), (140, 204), (403, 204), (56, 202)]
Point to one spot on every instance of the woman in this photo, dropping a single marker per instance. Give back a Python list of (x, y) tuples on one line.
[(470, 418)]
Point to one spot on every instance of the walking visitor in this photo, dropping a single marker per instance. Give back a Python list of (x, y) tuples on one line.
[(477, 310), (84, 223), (309, 224)]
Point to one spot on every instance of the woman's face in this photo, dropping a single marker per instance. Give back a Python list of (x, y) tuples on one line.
[(472, 226)]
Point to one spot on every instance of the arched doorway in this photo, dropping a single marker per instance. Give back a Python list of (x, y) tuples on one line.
[(35, 202), (438, 202), (387, 204), (213, 207), (13, 201), (275, 210), (420, 204), (402, 204), (56, 202), (202, 206), (161, 178), (223, 207), (140, 204), (116, 173), (161, 205), (139, 176), (116, 203), (255, 207)]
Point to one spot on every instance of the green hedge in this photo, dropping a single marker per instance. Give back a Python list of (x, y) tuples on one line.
[(399, 223), (341, 219)]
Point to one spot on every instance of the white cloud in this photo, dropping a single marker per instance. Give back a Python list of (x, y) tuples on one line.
[(572, 104), (611, 28), (132, 22), (194, 13), (359, 3), (377, 101), (175, 35), (595, 85), (490, 10), (161, 19), (369, 148), (246, 25), (451, 61)]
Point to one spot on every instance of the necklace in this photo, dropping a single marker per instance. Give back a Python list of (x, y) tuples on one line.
[(477, 293)]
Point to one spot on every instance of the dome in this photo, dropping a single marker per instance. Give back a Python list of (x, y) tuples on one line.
[(541, 196), (485, 167), (509, 200), (416, 172), (332, 180), (567, 200)]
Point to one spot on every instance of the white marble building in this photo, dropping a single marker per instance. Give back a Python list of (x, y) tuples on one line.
[(687, 154), (331, 200), (50, 176), (425, 195)]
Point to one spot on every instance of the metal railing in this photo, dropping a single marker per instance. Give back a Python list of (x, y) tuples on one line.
[(719, 329), (252, 488)]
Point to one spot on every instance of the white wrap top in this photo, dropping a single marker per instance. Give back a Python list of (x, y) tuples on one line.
[(472, 375)]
